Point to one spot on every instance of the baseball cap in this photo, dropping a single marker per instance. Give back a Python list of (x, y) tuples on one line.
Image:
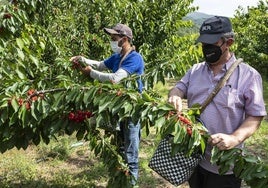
[(213, 29), (120, 29)]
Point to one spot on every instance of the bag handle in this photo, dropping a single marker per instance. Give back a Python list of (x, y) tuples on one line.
[(220, 84), (124, 57)]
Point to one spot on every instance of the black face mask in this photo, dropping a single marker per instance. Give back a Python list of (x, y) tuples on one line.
[(212, 53)]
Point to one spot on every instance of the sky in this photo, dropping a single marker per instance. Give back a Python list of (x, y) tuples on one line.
[(222, 7)]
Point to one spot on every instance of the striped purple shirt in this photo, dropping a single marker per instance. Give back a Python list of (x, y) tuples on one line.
[(242, 95)]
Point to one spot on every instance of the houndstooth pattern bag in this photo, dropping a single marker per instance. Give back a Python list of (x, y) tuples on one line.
[(176, 169)]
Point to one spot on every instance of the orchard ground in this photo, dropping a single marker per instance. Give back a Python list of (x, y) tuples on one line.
[(68, 163)]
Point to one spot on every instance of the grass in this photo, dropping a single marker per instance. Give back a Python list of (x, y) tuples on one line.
[(265, 93), (258, 144), (40, 167), (65, 162), (50, 166)]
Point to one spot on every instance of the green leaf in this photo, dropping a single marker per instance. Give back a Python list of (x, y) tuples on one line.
[(248, 172), (72, 95), (160, 121), (80, 133), (24, 116), (13, 119), (116, 108), (97, 149), (251, 159), (215, 155), (42, 45), (203, 143), (127, 107), (227, 166), (105, 105), (89, 95), (21, 54), (165, 107), (261, 172), (57, 126), (99, 120), (133, 96), (179, 134), (114, 102), (79, 99), (59, 101), (40, 107), (34, 112), (14, 104), (3, 115), (14, 87), (35, 60), (144, 113), (21, 75), (194, 140), (136, 115), (20, 43), (239, 166)]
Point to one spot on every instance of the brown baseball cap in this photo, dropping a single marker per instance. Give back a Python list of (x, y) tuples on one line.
[(120, 29)]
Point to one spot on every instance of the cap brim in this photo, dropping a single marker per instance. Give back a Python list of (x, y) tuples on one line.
[(209, 38), (111, 31)]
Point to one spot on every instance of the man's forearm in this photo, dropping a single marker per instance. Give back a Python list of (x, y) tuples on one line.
[(99, 65), (176, 92), (114, 77), (247, 128)]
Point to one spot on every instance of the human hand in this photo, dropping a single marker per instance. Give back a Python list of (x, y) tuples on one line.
[(223, 141), (78, 62), (176, 102), (76, 59), (86, 70)]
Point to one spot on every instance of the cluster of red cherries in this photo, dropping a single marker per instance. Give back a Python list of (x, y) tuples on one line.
[(188, 123), (79, 116), (32, 96), (76, 65)]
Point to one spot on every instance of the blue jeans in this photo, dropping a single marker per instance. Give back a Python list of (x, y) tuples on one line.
[(131, 138)]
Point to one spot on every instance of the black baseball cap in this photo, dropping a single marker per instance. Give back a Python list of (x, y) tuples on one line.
[(214, 28)]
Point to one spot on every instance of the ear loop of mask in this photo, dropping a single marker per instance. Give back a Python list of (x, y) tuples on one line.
[(122, 38), (224, 41)]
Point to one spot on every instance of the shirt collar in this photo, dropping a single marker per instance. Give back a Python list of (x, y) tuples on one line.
[(227, 65)]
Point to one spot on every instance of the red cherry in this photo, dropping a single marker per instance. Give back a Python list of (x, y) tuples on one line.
[(71, 116), (28, 105), (30, 91), (20, 101), (34, 98), (7, 16), (189, 131), (184, 120)]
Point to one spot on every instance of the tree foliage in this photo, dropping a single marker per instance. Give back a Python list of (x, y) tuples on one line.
[(251, 26), (41, 95)]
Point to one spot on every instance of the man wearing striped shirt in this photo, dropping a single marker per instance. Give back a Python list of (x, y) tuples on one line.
[(236, 111)]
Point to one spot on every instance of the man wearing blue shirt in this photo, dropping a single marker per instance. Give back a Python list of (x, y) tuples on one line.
[(124, 62)]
